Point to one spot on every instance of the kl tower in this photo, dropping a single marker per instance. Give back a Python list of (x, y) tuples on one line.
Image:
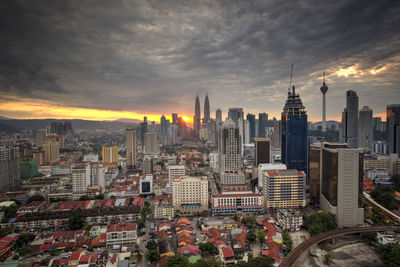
[(324, 89)]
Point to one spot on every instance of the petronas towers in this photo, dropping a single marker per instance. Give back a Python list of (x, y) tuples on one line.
[(197, 112)]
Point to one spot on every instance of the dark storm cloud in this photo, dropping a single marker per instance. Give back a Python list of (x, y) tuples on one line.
[(153, 56)]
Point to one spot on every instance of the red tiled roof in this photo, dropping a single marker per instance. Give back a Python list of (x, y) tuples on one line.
[(121, 227), (191, 249), (227, 252), (85, 258)]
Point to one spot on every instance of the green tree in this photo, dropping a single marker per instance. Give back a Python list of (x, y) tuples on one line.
[(152, 255), (320, 222), (236, 217), (24, 239), (328, 258), (207, 247), (249, 222), (140, 223), (251, 237), (177, 261), (10, 212), (84, 198), (24, 251), (287, 241), (258, 261), (369, 237), (151, 245), (99, 196), (206, 263), (89, 227), (5, 231), (35, 198), (76, 221), (147, 204), (261, 236), (390, 254)]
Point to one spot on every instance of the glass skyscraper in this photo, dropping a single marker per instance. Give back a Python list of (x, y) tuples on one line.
[(294, 133)]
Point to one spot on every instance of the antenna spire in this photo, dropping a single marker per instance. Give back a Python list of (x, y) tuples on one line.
[(291, 76)]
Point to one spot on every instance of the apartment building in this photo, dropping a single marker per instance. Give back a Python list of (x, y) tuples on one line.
[(190, 194)]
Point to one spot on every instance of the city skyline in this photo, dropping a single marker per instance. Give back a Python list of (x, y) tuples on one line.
[(129, 60)]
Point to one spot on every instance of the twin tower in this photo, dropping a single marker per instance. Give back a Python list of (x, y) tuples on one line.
[(197, 116)]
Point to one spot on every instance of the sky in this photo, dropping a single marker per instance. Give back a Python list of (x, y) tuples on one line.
[(108, 60)]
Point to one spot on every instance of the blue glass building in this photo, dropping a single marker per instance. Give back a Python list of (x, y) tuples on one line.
[(294, 133), (252, 121)]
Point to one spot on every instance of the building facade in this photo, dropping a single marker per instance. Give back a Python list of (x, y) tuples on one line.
[(151, 143), (190, 194), (130, 148), (342, 183), (109, 154), (393, 128), (9, 169), (350, 120), (366, 132), (262, 150), (80, 178), (294, 133), (52, 152), (284, 189), (237, 202), (122, 234)]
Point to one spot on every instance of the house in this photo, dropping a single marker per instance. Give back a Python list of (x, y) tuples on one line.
[(226, 256)]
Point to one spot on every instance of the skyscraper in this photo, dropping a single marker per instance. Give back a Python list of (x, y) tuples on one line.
[(196, 119), (350, 120), (294, 133), (151, 143), (164, 125), (324, 89), (9, 168), (262, 150), (393, 128), (235, 114), (109, 154), (251, 118), (229, 153), (40, 136), (341, 183), (218, 116), (277, 136), (206, 109), (262, 124), (130, 148), (365, 133)]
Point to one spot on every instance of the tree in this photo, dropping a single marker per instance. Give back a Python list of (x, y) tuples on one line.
[(84, 198), (99, 196), (24, 251), (88, 227), (35, 198), (147, 204), (369, 237), (328, 258), (261, 236), (140, 223), (24, 239), (236, 217), (10, 212), (76, 221), (5, 231), (287, 241), (153, 255), (206, 263), (390, 254), (258, 261), (151, 245), (320, 222), (207, 247), (249, 222), (251, 237), (177, 261)]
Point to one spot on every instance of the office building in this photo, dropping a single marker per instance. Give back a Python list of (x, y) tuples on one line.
[(206, 110), (28, 168), (218, 116), (57, 128), (284, 189), (393, 128), (350, 120), (294, 133), (80, 178), (55, 138), (324, 89), (175, 171), (40, 156), (97, 175), (164, 126), (146, 184), (235, 114), (229, 153), (262, 167), (9, 169), (147, 164), (109, 154), (52, 152), (130, 148), (151, 143), (342, 183), (262, 150), (251, 118), (190, 194), (196, 119), (236, 202), (40, 136), (277, 134), (314, 169), (212, 133), (262, 124), (366, 132)]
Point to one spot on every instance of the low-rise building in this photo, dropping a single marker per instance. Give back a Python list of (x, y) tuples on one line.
[(226, 256), (237, 202), (289, 219), (121, 234), (164, 212)]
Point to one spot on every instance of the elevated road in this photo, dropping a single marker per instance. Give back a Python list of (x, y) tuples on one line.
[(291, 258), (381, 208)]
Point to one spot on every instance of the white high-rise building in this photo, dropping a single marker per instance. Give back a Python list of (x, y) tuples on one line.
[(80, 178), (175, 171), (190, 194), (365, 132), (151, 143), (267, 167), (130, 148), (229, 154), (98, 175)]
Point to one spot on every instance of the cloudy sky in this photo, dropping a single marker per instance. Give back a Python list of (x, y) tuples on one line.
[(125, 59)]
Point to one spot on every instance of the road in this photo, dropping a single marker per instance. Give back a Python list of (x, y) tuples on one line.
[(300, 249)]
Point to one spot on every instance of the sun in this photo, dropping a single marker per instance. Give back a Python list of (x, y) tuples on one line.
[(186, 119)]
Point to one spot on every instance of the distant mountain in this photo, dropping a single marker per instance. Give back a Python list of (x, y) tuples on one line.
[(8, 128), (76, 124)]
